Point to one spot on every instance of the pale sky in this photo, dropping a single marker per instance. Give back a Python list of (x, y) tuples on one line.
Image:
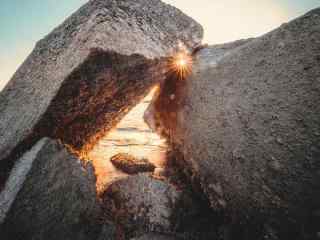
[(23, 22)]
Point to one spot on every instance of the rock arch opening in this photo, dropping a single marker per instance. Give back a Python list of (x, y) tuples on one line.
[(130, 138), (87, 104), (92, 100)]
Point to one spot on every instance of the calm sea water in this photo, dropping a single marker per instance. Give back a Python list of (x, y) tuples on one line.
[(132, 135)]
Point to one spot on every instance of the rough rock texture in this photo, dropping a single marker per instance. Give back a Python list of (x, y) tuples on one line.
[(247, 122), (131, 165), (153, 236), (50, 194), (140, 204), (108, 232), (86, 74)]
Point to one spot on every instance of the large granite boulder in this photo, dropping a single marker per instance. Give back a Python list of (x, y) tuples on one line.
[(50, 194), (83, 77), (247, 121)]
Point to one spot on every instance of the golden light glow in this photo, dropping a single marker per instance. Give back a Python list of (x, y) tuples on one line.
[(132, 136), (181, 64)]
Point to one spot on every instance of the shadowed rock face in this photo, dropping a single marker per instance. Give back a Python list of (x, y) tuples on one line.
[(50, 194), (142, 204), (152, 236), (81, 79), (248, 125)]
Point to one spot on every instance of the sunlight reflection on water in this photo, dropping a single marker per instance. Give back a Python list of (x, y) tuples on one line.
[(133, 136)]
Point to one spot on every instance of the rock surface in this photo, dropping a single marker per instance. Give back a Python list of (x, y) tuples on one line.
[(108, 232), (247, 121), (131, 165), (50, 194), (140, 204), (82, 78), (153, 236)]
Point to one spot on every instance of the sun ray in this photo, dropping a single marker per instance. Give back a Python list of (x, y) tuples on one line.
[(181, 64)]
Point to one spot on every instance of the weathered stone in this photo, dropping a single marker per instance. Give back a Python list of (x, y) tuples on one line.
[(50, 194), (82, 78), (154, 236), (108, 232), (131, 165), (247, 121), (141, 204)]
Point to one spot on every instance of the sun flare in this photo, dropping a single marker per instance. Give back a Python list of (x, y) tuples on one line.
[(182, 64)]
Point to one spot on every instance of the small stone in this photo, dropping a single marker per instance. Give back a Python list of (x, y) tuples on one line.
[(131, 165)]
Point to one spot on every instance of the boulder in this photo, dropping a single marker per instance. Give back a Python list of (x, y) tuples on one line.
[(140, 204), (50, 194), (82, 78), (131, 165), (247, 123)]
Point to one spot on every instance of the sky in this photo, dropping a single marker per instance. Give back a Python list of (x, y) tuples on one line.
[(24, 22)]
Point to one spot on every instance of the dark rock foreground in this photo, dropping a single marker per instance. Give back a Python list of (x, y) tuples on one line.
[(247, 122), (50, 194), (142, 204), (153, 236)]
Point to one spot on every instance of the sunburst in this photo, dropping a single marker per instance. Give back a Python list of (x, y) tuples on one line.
[(181, 64)]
